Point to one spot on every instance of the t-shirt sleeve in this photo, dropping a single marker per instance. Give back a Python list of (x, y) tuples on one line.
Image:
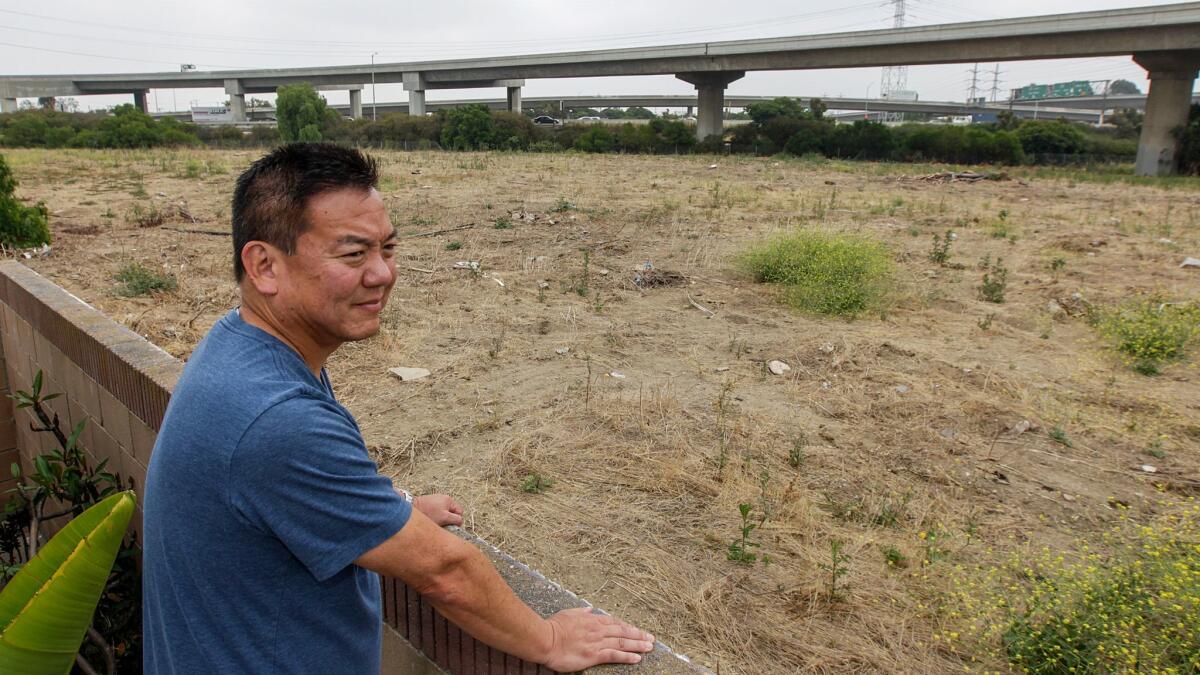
[(302, 473)]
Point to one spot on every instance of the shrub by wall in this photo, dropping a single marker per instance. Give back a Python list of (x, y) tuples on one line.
[(20, 226)]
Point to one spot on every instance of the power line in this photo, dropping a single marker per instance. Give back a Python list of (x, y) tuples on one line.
[(358, 45), (102, 56)]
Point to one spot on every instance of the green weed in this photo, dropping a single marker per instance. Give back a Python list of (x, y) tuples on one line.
[(837, 568), (535, 484), (1150, 332), (824, 273), (141, 280), (940, 253), (995, 280)]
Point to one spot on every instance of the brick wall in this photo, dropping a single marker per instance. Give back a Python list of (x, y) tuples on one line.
[(107, 375), (121, 383)]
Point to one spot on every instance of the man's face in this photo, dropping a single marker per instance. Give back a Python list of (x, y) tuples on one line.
[(338, 281)]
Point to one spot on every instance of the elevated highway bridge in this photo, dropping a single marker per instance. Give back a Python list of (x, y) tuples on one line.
[(1163, 39)]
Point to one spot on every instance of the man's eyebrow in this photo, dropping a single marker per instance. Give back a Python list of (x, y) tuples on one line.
[(355, 240)]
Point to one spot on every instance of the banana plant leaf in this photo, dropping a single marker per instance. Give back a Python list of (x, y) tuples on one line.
[(46, 608)]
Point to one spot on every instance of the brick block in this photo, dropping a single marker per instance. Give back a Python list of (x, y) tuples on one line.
[(114, 416), (105, 447), (24, 339), (143, 439), (135, 473), (7, 459), (84, 390), (8, 433)]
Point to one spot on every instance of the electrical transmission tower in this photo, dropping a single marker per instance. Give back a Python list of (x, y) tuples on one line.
[(895, 78), (995, 84), (973, 90)]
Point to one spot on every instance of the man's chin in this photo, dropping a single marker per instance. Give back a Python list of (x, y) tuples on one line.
[(362, 331)]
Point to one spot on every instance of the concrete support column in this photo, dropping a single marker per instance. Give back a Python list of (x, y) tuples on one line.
[(710, 90), (514, 100), (415, 85), (416, 102), (139, 101), (1172, 75), (237, 99), (8, 105), (356, 104)]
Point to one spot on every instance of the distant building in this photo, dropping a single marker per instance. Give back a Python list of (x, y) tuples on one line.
[(212, 115)]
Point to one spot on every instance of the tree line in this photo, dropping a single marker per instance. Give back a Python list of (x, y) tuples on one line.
[(782, 125)]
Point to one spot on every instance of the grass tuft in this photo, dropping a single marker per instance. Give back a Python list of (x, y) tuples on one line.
[(138, 279), (824, 273)]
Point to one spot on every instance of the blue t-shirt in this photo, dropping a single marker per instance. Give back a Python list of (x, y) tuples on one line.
[(259, 497)]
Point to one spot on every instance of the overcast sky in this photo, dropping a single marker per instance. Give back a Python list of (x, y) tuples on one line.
[(78, 36)]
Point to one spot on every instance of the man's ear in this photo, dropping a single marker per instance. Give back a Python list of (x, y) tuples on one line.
[(262, 263)]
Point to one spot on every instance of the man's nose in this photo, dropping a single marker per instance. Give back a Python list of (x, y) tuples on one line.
[(381, 271)]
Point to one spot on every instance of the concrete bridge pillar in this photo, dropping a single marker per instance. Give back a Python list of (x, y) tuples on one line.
[(710, 90), (356, 104), (1172, 75), (415, 85), (514, 100), (416, 102), (237, 99), (139, 101), (8, 105)]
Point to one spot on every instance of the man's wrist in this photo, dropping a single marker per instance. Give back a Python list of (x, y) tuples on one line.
[(550, 640)]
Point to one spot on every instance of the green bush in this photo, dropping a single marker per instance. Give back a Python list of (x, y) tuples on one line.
[(1189, 144), (959, 145), (300, 112), (141, 280), (469, 127), (1150, 332), (861, 140), (20, 226), (1130, 607), (824, 273), (595, 139), (1051, 137)]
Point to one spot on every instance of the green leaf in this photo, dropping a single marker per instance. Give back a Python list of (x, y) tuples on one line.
[(50, 397), (46, 608), (16, 470), (43, 467), (37, 384), (74, 437)]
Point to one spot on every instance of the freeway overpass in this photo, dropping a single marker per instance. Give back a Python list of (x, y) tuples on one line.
[(1164, 39)]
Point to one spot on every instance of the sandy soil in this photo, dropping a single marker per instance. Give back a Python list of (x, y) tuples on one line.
[(628, 399)]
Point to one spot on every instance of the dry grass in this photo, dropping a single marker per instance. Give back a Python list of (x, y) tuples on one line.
[(888, 433)]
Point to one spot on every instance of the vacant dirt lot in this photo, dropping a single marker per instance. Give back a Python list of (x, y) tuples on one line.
[(604, 428)]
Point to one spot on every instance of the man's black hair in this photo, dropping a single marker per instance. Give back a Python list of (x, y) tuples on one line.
[(271, 200)]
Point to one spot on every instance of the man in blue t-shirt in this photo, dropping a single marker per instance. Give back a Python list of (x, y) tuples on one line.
[(266, 523)]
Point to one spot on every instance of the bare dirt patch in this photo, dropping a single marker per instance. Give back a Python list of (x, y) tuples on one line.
[(643, 399)]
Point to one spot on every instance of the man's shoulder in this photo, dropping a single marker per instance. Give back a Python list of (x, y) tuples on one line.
[(233, 378)]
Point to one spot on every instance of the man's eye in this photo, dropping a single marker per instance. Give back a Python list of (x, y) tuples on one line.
[(354, 254), (389, 249)]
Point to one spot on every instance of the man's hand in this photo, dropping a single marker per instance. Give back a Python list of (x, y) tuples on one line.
[(583, 639), (441, 509)]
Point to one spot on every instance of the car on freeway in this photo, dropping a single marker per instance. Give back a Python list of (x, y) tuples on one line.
[(546, 119), (589, 119)]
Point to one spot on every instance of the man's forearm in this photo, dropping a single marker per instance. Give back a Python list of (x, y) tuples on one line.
[(479, 601)]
